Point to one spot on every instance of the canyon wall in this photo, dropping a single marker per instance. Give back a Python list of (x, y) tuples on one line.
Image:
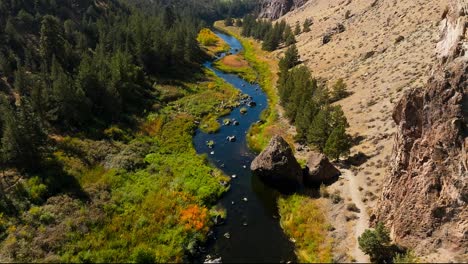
[(274, 9), (424, 198)]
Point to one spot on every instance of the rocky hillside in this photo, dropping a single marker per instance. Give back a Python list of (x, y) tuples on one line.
[(386, 50), (424, 199), (274, 9)]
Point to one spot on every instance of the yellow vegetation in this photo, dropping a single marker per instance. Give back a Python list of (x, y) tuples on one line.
[(211, 42), (303, 220)]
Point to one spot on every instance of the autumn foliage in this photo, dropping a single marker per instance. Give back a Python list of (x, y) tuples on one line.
[(194, 217)]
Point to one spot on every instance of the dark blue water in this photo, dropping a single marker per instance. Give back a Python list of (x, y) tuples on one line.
[(253, 225)]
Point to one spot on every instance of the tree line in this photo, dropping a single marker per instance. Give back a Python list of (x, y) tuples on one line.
[(81, 65), (308, 105), (272, 34)]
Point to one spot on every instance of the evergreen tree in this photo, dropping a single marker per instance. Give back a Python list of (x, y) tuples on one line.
[(51, 41), (72, 107), (319, 129), (290, 59), (23, 138), (339, 90), (338, 143), (307, 24), (377, 244), (21, 81), (297, 29), (289, 38)]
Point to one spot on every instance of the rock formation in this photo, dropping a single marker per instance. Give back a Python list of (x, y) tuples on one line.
[(319, 169), (274, 9), (424, 199), (276, 165)]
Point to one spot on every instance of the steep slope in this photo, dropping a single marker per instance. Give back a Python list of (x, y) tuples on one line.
[(424, 200), (274, 9), (386, 48)]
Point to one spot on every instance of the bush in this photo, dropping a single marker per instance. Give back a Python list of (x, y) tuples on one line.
[(353, 208), (378, 245), (37, 189), (336, 198), (207, 38)]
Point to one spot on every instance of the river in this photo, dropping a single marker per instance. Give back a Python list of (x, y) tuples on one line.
[(251, 232)]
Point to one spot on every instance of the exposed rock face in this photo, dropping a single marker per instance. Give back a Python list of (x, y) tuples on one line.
[(424, 199), (319, 169), (274, 9), (276, 165)]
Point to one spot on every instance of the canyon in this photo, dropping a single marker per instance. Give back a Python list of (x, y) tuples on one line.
[(405, 64)]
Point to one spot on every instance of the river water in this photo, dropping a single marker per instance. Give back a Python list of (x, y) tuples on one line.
[(251, 232)]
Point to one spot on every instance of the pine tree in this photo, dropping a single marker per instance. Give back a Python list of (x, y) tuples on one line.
[(21, 81), (51, 41), (319, 129), (339, 90), (297, 29), (307, 24), (338, 143), (290, 59), (289, 38), (23, 139)]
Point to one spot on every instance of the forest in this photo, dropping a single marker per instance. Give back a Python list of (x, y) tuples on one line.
[(92, 129), (272, 34)]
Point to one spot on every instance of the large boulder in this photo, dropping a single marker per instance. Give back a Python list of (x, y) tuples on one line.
[(277, 166), (319, 170)]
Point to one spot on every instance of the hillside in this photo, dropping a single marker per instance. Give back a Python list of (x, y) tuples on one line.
[(381, 49)]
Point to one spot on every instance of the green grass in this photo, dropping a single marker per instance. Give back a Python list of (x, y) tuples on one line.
[(265, 66), (246, 72), (156, 208)]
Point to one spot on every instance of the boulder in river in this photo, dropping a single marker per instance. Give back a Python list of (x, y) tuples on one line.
[(277, 166), (319, 169)]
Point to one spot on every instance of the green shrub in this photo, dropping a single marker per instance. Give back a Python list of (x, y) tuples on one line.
[(378, 245), (143, 255), (37, 189)]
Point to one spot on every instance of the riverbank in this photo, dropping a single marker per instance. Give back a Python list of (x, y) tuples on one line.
[(302, 217), (265, 65)]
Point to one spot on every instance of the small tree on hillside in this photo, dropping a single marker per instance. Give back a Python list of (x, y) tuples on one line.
[(338, 143), (238, 22), (289, 38), (290, 59), (339, 90), (377, 244), (297, 29), (307, 24)]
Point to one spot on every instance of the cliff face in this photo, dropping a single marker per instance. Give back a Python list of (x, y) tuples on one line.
[(424, 199), (274, 9)]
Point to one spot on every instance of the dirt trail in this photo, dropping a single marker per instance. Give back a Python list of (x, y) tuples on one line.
[(361, 224)]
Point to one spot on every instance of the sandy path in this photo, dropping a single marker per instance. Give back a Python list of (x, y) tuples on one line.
[(361, 224)]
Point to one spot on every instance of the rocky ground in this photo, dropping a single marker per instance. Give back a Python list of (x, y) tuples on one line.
[(386, 47)]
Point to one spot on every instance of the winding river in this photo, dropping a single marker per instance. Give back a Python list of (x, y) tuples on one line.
[(251, 232)]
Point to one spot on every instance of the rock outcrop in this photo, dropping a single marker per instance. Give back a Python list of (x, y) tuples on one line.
[(424, 199), (319, 170), (274, 9), (277, 166)]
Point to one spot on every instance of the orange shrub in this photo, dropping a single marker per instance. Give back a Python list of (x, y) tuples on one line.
[(195, 217)]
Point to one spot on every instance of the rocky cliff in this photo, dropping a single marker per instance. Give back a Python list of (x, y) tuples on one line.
[(274, 9), (424, 198)]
